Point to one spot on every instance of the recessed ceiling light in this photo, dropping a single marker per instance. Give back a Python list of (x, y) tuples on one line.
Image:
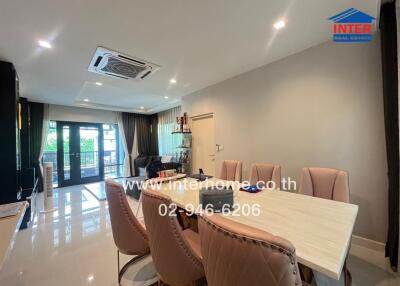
[(99, 83), (142, 107), (44, 44), (86, 100), (166, 97), (90, 278), (279, 25), (172, 80)]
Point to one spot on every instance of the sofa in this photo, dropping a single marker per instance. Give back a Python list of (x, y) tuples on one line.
[(140, 164)]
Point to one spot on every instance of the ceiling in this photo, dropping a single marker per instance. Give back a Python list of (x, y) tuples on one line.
[(199, 43)]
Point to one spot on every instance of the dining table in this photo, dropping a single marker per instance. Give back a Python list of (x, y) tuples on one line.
[(320, 229)]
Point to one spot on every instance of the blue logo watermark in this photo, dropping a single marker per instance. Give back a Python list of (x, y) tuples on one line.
[(352, 25)]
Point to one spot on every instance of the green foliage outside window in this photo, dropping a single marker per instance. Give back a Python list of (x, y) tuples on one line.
[(87, 144)]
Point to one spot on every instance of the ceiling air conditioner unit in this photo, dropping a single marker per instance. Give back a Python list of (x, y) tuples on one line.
[(111, 63)]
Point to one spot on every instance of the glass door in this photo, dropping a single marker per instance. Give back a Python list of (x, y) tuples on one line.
[(79, 153)]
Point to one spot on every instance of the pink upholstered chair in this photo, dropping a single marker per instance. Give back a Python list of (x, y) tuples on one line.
[(175, 252), (331, 184), (236, 254), (231, 170), (129, 235), (266, 173)]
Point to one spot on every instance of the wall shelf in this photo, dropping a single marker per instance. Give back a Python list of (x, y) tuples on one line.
[(184, 152), (181, 132)]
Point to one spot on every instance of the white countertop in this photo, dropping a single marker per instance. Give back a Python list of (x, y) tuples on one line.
[(8, 228)]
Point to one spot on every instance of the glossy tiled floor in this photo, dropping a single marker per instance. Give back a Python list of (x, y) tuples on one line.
[(73, 246)]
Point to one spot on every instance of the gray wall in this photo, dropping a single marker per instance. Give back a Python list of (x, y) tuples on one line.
[(321, 107)]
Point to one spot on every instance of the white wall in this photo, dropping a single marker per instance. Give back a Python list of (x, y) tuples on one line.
[(321, 107), (80, 114)]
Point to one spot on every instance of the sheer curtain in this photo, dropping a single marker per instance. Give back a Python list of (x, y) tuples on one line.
[(123, 139), (45, 129), (167, 142)]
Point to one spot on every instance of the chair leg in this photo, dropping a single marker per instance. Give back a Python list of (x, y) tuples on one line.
[(118, 266), (126, 266)]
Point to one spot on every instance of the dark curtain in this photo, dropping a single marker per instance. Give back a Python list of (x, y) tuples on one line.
[(144, 135), (35, 130), (388, 29), (128, 123), (154, 134)]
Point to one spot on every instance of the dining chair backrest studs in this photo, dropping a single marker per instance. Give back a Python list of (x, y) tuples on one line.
[(236, 254), (129, 235)]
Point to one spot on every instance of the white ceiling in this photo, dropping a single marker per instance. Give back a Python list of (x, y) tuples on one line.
[(198, 42)]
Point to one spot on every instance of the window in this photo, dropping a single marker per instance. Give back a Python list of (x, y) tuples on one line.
[(113, 152), (167, 142), (89, 151)]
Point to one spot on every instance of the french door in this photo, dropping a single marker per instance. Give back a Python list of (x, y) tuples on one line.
[(80, 153)]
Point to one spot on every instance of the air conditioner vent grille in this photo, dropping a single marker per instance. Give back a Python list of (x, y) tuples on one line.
[(123, 68), (111, 63)]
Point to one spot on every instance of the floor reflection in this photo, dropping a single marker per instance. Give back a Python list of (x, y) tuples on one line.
[(66, 246), (90, 217)]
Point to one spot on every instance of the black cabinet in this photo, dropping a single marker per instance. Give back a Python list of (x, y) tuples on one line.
[(25, 140), (10, 125), (29, 195)]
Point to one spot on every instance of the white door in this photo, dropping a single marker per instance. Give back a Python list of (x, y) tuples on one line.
[(203, 144)]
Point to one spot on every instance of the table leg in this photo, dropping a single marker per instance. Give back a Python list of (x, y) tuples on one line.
[(323, 280)]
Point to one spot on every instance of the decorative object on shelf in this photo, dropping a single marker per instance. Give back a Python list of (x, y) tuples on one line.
[(186, 143), (183, 155), (183, 126)]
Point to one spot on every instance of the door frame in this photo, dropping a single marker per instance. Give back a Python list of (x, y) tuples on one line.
[(75, 166)]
